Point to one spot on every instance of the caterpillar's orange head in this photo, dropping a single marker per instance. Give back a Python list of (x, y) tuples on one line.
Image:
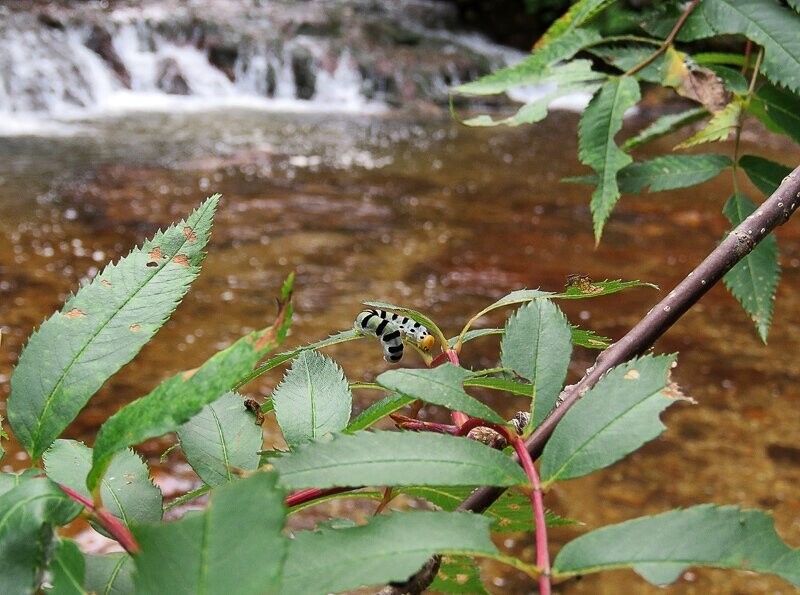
[(427, 343)]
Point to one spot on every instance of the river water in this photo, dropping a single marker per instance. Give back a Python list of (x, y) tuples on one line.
[(427, 213)]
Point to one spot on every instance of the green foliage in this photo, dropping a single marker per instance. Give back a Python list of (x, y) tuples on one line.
[(663, 126), (599, 124), (766, 175), (671, 171), (204, 552), (222, 439), (396, 458), (443, 385), (706, 535), (388, 404), (312, 400), (68, 569), (126, 488), (388, 548), (612, 419), (754, 279), (458, 574), (176, 400), (718, 128), (536, 345), (122, 307), (110, 574), (768, 24)]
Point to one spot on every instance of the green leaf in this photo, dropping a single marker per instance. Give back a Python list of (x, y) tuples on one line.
[(614, 418), (598, 126), (413, 315), (396, 458), (127, 491), (442, 385), (671, 171), (234, 545), (589, 339), (68, 569), (665, 125), (712, 58), (388, 404), (661, 547), (627, 57), (101, 328), (662, 18), (502, 384), (754, 279), (340, 337), (458, 574), (388, 548), (25, 513), (512, 513), (537, 346), (718, 127), (781, 106), (176, 400), (533, 69), (111, 574), (768, 24), (445, 497), (312, 400), (579, 13), (221, 439), (599, 288), (766, 175)]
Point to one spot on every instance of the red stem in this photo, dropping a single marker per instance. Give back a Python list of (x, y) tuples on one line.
[(108, 521), (459, 419), (310, 494), (537, 501)]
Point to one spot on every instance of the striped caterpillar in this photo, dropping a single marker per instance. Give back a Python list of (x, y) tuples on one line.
[(391, 329)]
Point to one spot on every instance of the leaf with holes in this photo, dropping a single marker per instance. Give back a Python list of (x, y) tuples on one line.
[(396, 458), (754, 279), (442, 385), (221, 439), (599, 124), (238, 536), (101, 328), (537, 346), (388, 548), (614, 418), (126, 488), (312, 400), (660, 548)]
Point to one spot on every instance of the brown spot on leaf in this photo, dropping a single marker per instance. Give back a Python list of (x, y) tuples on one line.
[(135, 328), (704, 86), (504, 522), (106, 283), (155, 253), (152, 264), (182, 260), (462, 578), (189, 233), (513, 506), (188, 373), (75, 313), (632, 375)]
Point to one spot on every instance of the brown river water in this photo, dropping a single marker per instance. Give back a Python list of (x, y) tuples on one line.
[(429, 214)]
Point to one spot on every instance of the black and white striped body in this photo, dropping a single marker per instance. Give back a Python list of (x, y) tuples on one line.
[(391, 329)]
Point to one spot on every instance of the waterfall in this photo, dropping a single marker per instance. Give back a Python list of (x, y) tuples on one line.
[(330, 55)]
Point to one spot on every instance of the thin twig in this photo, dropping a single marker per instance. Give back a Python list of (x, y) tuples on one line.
[(773, 212), (667, 42)]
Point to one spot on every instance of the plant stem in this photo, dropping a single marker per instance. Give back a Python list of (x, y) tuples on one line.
[(740, 119), (310, 494), (409, 423), (773, 212), (106, 520), (537, 502), (667, 42)]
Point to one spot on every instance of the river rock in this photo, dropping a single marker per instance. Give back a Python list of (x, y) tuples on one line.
[(303, 69), (99, 41), (170, 78)]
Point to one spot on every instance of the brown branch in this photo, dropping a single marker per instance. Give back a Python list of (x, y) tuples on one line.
[(775, 211)]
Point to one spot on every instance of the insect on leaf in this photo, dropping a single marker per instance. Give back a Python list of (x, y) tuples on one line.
[(221, 439), (599, 124), (312, 400), (101, 328), (413, 315), (660, 548), (754, 279)]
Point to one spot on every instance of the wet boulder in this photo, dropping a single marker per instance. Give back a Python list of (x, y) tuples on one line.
[(303, 69), (171, 79)]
